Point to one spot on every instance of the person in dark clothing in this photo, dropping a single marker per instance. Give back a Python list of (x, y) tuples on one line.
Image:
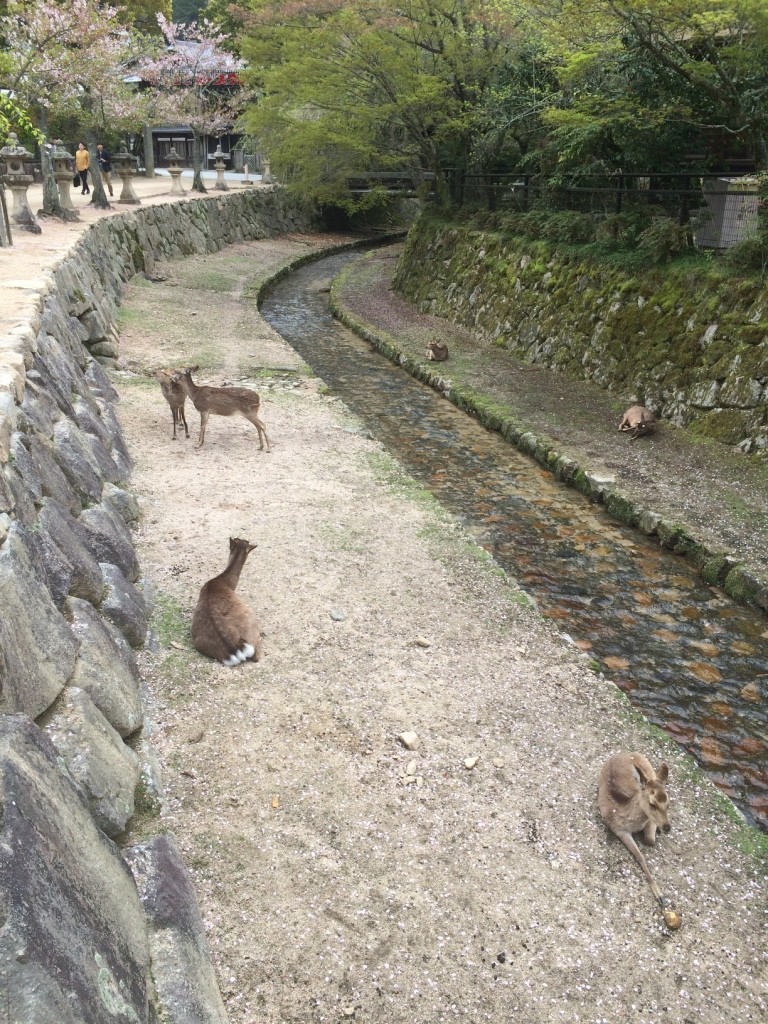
[(105, 166)]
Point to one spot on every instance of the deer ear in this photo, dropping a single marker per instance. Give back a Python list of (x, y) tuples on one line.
[(663, 772)]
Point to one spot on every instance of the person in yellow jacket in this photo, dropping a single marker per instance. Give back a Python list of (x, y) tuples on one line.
[(82, 163)]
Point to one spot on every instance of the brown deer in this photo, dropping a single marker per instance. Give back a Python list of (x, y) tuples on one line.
[(175, 396), (222, 402), (223, 626), (437, 351), (632, 798), (638, 421)]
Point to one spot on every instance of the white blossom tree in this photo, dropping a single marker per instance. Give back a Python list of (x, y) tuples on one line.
[(195, 82), (70, 58)]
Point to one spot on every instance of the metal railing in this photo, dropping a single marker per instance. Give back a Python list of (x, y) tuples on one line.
[(722, 209)]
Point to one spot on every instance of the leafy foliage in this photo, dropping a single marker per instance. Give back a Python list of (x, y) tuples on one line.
[(70, 59)]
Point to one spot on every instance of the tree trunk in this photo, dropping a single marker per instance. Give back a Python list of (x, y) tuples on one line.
[(99, 197), (197, 162)]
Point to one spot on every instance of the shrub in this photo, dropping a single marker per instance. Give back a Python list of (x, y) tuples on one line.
[(663, 240), (751, 254), (570, 226)]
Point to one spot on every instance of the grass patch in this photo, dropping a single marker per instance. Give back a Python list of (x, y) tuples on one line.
[(169, 622)]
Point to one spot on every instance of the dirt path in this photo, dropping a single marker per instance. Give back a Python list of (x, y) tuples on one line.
[(341, 875)]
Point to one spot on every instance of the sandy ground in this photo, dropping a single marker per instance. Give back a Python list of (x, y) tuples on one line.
[(341, 875)]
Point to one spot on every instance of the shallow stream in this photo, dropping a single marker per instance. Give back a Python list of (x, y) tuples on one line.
[(695, 662)]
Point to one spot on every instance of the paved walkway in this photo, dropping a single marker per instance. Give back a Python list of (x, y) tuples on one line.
[(23, 264)]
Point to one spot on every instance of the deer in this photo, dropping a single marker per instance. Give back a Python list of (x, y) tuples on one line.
[(175, 396), (632, 798), (437, 351), (223, 626), (221, 402), (638, 421)]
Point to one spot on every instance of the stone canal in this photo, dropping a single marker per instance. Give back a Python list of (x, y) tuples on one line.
[(694, 662)]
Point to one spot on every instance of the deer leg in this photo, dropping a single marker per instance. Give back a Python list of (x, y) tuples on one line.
[(173, 417), (634, 849), (203, 421), (262, 430), (184, 420)]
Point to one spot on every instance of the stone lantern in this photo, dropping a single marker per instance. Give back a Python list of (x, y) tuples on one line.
[(16, 173), (126, 166), (219, 159), (174, 169), (62, 172), (266, 172)]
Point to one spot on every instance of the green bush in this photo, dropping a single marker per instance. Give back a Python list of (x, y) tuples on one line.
[(751, 254), (663, 240), (570, 226)]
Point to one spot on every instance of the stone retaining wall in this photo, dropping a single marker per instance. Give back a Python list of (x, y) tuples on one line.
[(83, 939), (693, 348)]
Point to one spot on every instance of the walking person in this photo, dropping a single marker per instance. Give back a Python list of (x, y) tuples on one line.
[(82, 163), (105, 166)]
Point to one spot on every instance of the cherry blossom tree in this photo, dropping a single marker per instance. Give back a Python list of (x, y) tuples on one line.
[(195, 82), (69, 59)]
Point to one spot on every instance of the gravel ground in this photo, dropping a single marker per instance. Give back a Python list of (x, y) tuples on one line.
[(341, 875)]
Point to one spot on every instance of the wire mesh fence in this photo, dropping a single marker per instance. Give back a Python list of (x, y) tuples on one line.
[(721, 210)]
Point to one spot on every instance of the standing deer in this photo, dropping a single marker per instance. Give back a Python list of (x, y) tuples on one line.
[(175, 396), (437, 351), (638, 421), (222, 402), (632, 798), (223, 626)]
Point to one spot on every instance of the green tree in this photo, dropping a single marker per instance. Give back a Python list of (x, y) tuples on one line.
[(347, 86), (632, 67)]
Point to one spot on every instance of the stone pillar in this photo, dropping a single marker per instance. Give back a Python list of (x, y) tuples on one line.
[(246, 179), (218, 163), (16, 171), (62, 172), (174, 169), (126, 165)]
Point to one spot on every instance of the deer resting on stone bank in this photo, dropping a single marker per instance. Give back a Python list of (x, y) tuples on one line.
[(223, 626), (175, 396), (638, 421), (632, 798), (221, 402)]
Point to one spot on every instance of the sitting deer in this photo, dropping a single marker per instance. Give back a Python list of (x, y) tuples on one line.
[(638, 421), (221, 402), (632, 798), (437, 351), (175, 396), (223, 626)]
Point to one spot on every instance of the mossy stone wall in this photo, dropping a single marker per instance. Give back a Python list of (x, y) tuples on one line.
[(691, 346)]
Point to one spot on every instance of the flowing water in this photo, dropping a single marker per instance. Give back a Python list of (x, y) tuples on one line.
[(695, 662)]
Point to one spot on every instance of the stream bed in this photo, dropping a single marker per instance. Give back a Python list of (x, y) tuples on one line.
[(691, 659)]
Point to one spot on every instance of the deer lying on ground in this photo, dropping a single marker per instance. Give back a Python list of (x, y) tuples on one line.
[(175, 397), (223, 626), (638, 421), (632, 798), (437, 351), (221, 402)]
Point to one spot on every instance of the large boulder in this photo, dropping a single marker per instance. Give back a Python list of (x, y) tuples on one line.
[(185, 982), (73, 944), (105, 768), (37, 647), (106, 668)]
